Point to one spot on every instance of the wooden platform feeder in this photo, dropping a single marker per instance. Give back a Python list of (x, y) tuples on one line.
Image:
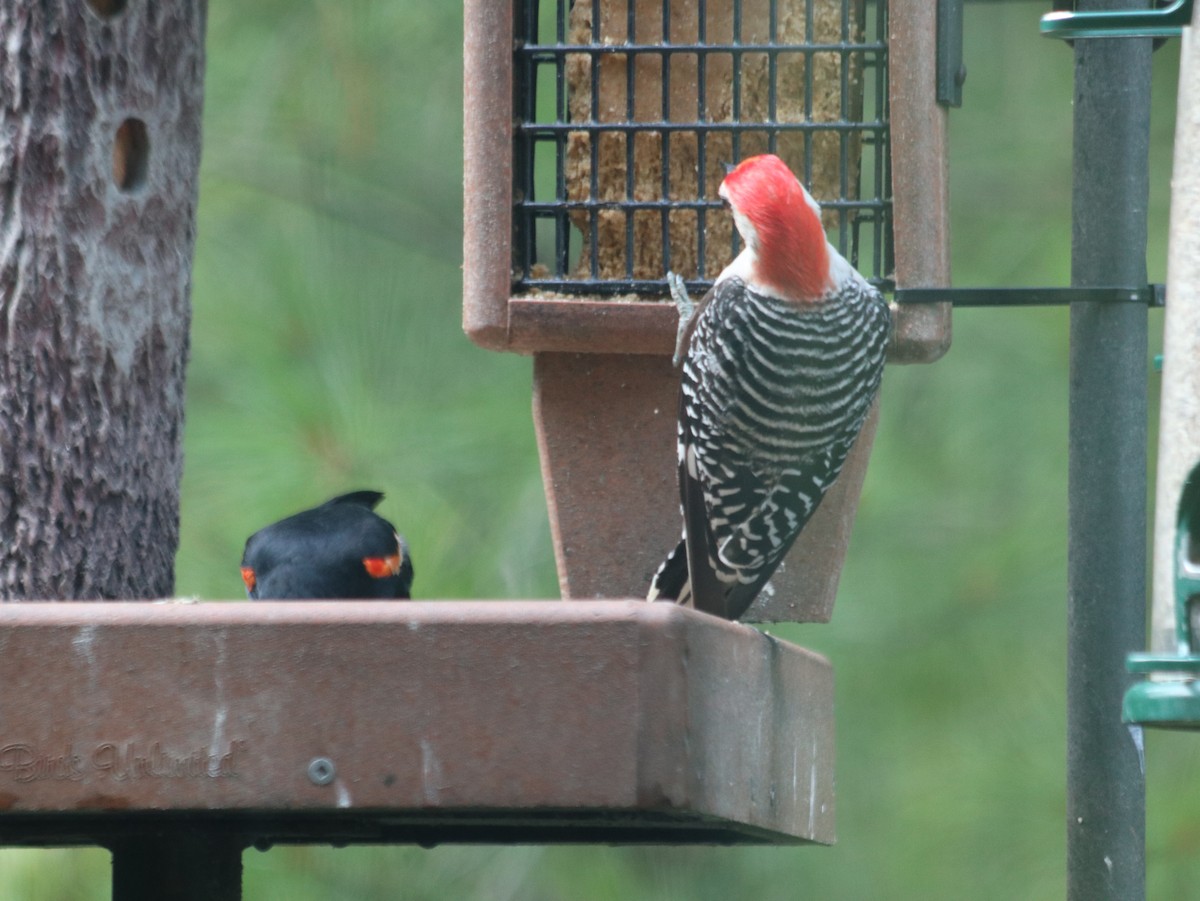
[(420, 722), (593, 157)]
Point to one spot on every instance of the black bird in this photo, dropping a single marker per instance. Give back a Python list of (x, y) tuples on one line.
[(341, 549)]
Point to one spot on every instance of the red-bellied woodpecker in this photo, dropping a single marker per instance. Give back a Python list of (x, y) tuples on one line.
[(341, 549), (782, 360)]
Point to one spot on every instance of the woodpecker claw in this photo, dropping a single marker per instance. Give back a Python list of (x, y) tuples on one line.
[(684, 304)]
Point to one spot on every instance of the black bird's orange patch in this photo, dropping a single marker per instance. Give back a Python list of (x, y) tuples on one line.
[(340, 549), (382, 567)]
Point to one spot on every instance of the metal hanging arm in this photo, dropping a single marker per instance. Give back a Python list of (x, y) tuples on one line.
[(1140, 23), (1150, 295)]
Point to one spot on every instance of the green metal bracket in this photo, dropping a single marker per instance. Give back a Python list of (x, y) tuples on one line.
[(1133, 23), (1168, 705), (1173, 700)]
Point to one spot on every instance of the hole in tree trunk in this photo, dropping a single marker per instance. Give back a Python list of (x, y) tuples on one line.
[(106, 8), (131, 155)]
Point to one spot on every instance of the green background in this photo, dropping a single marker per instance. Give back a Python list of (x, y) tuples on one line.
[(327, 355)]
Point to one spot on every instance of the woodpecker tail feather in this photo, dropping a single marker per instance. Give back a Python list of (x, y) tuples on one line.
[(670, 582)]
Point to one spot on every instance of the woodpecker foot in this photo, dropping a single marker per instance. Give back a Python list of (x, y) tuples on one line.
[(684, 304)]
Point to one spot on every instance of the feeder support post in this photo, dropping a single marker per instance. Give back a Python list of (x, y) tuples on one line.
[(1107, 470), (181, 864)]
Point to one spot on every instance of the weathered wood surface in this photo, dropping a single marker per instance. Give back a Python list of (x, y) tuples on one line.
[(610, 721)]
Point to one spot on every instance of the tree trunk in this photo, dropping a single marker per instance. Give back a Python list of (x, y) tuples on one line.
[(99, 153)]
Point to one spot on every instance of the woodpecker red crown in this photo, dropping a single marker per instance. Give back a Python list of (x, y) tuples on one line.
[(788, 240)]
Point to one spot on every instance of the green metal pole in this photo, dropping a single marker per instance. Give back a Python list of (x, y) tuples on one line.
[(1106, 825)]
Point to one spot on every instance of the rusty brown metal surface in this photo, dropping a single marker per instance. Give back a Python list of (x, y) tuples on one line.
[(418, 721), (592, 326), (487, 170), (606, 434), (920, 190)]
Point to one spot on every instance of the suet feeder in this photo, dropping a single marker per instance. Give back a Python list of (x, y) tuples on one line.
[(1170, 695), (595, 132)]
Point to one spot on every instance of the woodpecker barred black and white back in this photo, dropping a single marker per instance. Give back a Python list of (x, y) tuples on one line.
[(773, 397)]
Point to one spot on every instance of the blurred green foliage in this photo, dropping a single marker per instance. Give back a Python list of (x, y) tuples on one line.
[(327, 355)]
